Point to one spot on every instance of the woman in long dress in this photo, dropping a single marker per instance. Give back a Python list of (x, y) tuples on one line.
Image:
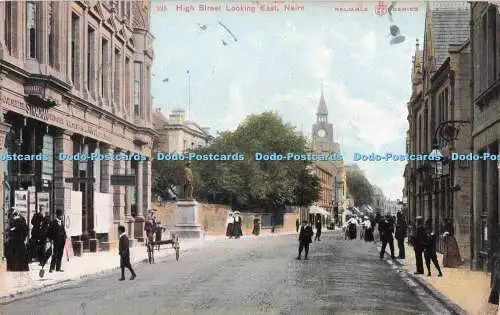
[(229, 225), (237, 232), (17, 259), (451, 252), (368, 230)]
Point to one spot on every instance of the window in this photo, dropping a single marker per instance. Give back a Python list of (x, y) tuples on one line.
[(492, 44), (137, 89), (117, 75), (147, 88), (127, 84), (75, 27), (484, 53), (8, 25), (90, 59), (52, 33), (446, 102), (122, 8), (31, 29), (104, 67)]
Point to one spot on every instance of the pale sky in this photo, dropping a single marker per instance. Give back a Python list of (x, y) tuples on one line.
[(279, 62)]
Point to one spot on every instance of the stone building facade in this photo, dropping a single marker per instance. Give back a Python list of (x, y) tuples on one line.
[(485, 31), (441, 93), (75, 77), (175, 134), (378, 199), (333, 194)]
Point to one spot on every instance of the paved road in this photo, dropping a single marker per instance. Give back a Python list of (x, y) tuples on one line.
[(259, 276)]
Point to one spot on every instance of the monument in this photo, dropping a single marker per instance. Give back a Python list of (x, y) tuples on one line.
[(187, 209)]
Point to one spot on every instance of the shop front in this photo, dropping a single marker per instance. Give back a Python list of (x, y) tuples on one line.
[(50, 139)]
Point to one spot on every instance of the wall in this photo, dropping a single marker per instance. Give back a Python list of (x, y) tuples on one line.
[(213, 217)]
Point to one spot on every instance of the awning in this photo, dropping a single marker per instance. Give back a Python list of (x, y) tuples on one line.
[(318, 210)]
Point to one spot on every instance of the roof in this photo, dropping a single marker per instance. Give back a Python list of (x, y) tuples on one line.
[(322, 108), (158, 118), (448, 26)]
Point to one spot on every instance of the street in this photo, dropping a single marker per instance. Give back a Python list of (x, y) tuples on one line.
[(246, 276)]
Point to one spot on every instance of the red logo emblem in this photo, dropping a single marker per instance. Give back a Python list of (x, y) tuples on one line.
[(381, 8)]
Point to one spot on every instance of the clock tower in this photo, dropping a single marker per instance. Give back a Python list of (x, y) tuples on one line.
[(322, 130)]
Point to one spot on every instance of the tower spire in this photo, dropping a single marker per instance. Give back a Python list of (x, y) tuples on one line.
[(322, 113)]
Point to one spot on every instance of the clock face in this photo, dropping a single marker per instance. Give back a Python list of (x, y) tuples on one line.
[(321, 133)]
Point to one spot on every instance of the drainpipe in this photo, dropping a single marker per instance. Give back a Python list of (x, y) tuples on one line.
[(471, 89)]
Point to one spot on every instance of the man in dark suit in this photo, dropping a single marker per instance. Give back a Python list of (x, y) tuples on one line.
[(419, 244), (401, 231), (124, 252), (386, 231), (57, 234), (305, 238)]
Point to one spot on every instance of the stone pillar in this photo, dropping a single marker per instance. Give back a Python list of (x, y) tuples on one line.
[(118, 195), (4, 130), (105, 187), (146, 184), (129, 220), (139, 219), (62, 169), (106, 170)]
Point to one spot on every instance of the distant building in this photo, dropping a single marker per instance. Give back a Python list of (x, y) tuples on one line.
[(378, 199), (175, 134)]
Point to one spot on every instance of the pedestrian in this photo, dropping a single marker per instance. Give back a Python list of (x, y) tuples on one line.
[(124, 251), (430, 250), (17, 256), (237, 232), (368, 236), (158, 234), (297, 224), (44, 229), (149, 227), (386, 236), (451, 252), (495, 271), (256, 226), (57, 234), (305, 238), (34, 242), (363, 228), (401, 230), (418, 245), (318, 230), (229, 224)]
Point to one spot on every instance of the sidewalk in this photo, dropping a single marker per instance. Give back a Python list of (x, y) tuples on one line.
[(16, 284), (461, 286)]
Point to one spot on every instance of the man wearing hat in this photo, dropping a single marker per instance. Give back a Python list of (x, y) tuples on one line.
[(57, 234), (305, 238), (418, 245)]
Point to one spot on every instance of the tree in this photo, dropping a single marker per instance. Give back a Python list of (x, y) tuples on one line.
[(166, 175), (359, 187), (252, 184)]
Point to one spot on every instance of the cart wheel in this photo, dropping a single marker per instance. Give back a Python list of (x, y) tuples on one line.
[(177, 253)]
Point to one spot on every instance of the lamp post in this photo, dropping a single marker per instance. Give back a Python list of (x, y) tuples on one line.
[(444, 135)]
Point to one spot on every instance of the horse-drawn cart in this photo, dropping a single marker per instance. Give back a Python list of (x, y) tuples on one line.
[(154, 244)]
